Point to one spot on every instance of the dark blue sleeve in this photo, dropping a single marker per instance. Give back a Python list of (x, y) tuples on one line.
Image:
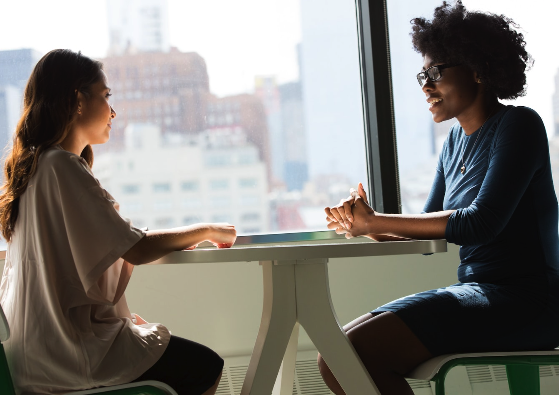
[(436, 196), (519, 150)]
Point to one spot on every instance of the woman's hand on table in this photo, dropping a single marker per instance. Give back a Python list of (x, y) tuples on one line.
[(352, 215), (342, 213), (222, 235)]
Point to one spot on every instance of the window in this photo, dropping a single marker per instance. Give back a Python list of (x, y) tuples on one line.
[(247, 217), (248, 182), (290, 121), (189, 186), (192, 219), (130, 188), (219, 184), (162, 187)]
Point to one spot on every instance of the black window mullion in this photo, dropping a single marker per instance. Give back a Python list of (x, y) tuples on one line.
[(378, 106)]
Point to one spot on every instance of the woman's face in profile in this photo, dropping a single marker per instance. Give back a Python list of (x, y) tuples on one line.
[(453, 94), (94, 122)]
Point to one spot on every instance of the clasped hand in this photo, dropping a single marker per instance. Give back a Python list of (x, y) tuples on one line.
[(352, 216)]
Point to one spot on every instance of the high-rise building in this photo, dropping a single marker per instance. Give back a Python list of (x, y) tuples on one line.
[(266, 89), (170, 90), (16, 66), (247, 112), (138, 25), (10, 108), (15, 69), (294, 137)]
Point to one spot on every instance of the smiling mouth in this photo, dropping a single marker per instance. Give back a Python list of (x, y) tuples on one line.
[(434, 102)]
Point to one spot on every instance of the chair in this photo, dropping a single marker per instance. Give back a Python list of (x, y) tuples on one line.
[(522, 368), (139, 388)]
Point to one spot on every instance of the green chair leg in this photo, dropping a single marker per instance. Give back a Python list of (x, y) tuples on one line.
[(523, 379)]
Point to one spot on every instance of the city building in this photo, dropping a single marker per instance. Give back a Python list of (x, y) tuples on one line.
[(247, 112), (15, 67), (296, 172), (166, 180), (170, 90), (138, 25), (10, 108), (266, 89)]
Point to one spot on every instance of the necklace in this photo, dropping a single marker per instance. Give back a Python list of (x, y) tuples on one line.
[(463, 168)]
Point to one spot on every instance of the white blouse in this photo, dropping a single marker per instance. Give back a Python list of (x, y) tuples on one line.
[(63, 285)]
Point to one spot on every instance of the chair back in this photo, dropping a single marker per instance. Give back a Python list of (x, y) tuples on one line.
[(6, 384)]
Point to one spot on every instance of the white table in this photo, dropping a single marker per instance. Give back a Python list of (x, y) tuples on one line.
[(296, 291)]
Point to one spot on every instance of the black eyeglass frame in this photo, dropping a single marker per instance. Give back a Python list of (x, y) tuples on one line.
[(439, 67)]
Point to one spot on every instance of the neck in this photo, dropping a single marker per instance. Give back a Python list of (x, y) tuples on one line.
[(72, 143), (474, 118)]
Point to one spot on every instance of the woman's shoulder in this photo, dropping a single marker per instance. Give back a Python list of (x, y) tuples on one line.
[(59, 164), (61, 160), (522, 115)]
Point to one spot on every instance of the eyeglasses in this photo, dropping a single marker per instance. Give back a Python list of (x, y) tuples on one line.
[(434, 73)]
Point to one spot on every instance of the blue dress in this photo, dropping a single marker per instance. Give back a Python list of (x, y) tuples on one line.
[(506, 223)]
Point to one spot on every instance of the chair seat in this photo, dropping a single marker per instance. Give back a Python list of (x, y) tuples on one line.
[(157, 384), (429, 368)]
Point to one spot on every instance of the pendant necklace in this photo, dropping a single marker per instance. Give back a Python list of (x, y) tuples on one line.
[(464, 162)]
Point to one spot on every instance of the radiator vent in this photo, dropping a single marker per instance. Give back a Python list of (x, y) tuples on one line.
[(308, 379), (549, 371), (418, 384), (490, 373), (237, 374), (224, 385)]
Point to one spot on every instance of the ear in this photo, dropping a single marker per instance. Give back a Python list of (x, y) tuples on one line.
[(477, 78), (81, 101)]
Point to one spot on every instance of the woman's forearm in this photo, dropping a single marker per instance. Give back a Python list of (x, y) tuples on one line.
[(158, 243), (419, 226)]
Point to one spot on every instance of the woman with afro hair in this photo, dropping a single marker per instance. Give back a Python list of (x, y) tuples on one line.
[(493, 195)]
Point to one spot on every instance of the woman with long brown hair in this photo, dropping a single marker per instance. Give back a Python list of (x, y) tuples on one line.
[(70, 253)]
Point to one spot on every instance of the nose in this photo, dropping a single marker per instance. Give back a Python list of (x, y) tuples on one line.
[(428, 85), (113, 113)]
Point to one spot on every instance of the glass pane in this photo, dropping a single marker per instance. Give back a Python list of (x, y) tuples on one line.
[(419, 138), (244, 111)]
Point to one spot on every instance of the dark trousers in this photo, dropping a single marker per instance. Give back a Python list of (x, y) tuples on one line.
[(188, 367)]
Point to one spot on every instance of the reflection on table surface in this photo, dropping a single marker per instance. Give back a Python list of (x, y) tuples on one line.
[(303, 251)]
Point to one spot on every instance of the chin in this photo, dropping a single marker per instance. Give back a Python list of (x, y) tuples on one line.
[(438, 118)]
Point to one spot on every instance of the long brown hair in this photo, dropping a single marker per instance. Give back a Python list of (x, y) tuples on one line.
[(49, 107)]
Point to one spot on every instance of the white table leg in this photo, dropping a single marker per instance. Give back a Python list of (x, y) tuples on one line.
[(279, 315), (286, 375), (316, 314)]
